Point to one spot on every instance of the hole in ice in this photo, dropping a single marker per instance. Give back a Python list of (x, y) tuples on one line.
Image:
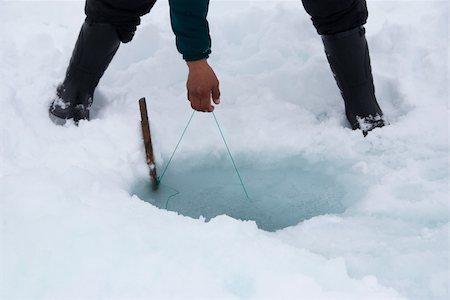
[(281, 195)]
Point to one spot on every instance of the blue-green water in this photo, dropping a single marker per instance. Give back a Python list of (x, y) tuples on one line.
[(279, 196)]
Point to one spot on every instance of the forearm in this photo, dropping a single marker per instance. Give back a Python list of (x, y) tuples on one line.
[(189, 23)]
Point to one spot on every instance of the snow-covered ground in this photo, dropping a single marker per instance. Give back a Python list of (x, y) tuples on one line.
[(357, 218)]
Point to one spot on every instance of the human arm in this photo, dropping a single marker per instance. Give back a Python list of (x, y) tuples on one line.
[(189, 23)]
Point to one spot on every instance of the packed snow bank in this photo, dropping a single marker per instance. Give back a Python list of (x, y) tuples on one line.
[(71, 226)]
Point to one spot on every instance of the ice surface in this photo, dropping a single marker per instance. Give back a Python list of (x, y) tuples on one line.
[(357, 218), (280, 195)]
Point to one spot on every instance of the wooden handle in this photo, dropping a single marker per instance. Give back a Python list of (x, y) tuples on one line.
[(150, 157)]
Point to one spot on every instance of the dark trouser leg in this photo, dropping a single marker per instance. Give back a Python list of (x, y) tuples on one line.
[(108, 23), (339, 22), (125, 15)]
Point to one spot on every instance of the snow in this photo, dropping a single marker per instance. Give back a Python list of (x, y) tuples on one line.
[(331, 214)]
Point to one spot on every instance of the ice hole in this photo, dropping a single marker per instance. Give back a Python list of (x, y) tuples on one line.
[(281, 194)]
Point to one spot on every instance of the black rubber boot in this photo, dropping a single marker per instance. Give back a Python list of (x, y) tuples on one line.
[(94, 50), (348, 55)]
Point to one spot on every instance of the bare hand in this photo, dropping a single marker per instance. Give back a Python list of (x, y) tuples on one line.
[(202, 86)]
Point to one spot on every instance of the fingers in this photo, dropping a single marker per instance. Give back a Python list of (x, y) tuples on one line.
[(200, 105), (216, 94), (206, 102), (201, 102)]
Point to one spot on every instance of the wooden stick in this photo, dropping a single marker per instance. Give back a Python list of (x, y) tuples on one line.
[(148, 143)]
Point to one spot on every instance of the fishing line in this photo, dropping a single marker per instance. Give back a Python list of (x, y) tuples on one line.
[(159, 179), (231, 157)]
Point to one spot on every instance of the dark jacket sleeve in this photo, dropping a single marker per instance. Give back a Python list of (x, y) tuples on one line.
[(188, 18)]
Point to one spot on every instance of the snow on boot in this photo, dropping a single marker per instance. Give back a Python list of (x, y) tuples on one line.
[(348, 55), (96, 45)]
